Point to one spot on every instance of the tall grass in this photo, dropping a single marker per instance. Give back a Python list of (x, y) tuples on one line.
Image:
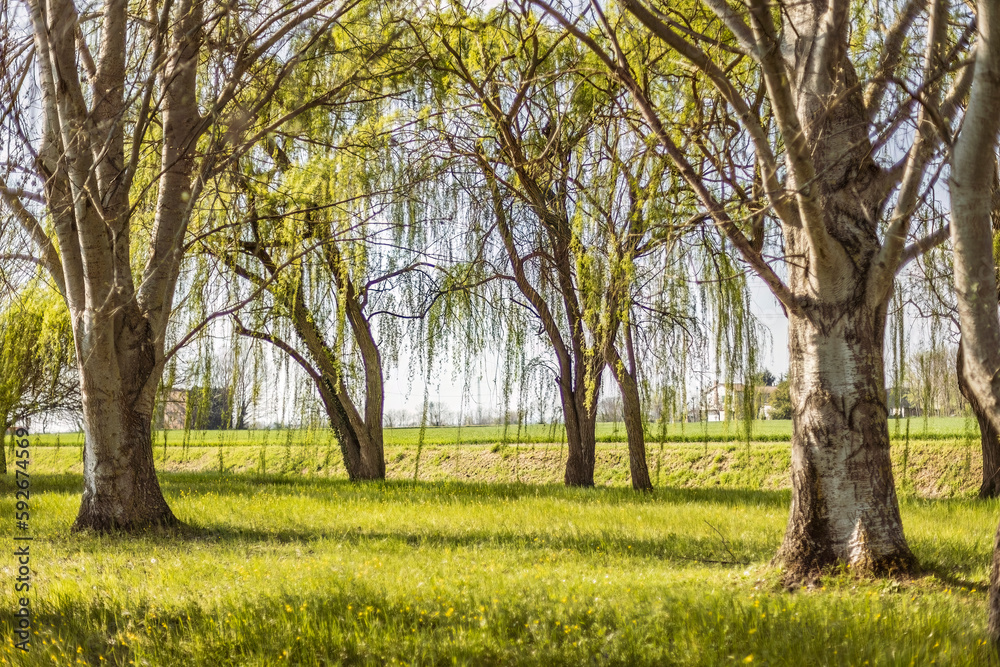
[(311, 571)]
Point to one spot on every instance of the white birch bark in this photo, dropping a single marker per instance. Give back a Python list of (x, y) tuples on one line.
[(87, 104), (842, 247), (971, 186)]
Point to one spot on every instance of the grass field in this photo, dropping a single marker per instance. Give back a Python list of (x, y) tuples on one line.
[(304, 568), (935, 428), (280, 570)]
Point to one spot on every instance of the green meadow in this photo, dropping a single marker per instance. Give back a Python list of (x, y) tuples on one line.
[(486, 559), (934, 428)]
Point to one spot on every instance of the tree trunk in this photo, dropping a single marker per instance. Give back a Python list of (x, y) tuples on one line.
[(360, 438), (972, 236), (120, 488), (844, 506), (993, 613), (373, 456), (830, 195), (118, 330), (632, 412), (581, 437), (369, 422), (989, 439), (350, 448), (364, 456)]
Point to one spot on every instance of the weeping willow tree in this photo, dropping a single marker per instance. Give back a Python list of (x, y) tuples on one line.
[(36, 359), (336, 235), (123, 123), (811, 93), (574, 210)]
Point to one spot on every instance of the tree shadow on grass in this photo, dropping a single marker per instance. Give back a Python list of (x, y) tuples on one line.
[(452, 491), (605, 544), (57, 483), (675, 547), (952, 578), (612, 541), (609, 539)]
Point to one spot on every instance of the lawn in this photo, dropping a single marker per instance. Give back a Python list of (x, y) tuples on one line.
[(306, 569)]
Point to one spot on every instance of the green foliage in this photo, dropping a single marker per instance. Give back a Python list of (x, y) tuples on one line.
[(560, 184), (37, 360), (765, 378), (781, 401)]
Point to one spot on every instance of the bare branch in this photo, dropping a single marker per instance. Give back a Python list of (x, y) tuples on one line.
[(922, 245), (736, 24), (886, 264), (722, 83), (20, 257), (281, 345), (799, 159), (719, 215), (892, 53), (50, 257)]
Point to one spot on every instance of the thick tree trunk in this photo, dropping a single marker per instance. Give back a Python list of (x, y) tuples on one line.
[(350, 448), (840, 262), (993, 613), (972, 236), (632, 412), (120, 488), (581, 437), (121, 491), (844, 506), (989, 439), (373, 456), (364, 457)]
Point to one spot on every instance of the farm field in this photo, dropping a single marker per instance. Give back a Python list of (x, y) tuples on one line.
[(936, 428), (305, 568)]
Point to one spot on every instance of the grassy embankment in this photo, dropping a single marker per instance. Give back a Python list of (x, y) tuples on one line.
[(942, 461), (935, 428), (306, 569)]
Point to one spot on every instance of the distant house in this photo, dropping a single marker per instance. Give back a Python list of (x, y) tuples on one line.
[(712, 404), (182, 408), (174, 409), (905, 410)]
